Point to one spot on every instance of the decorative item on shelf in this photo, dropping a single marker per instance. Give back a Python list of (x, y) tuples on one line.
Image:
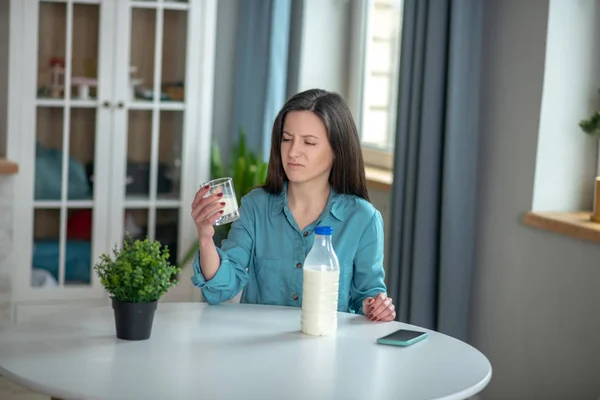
[(595, 215), (134, 82), (247, 170), (175, 90), (48, 170), (57, 77), (148, 94), (83, 86), (136, 278)]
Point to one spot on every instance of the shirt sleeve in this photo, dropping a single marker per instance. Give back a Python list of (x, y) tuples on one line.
[(235, 251), (369, 275)]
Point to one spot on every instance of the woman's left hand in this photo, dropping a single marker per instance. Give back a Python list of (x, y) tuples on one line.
[(379, 308)]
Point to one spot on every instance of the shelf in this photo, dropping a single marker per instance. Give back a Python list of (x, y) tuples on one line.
[(135, 105), (74, 103), (574, 224), (165, 5), (69, 204), (144, 202), (163, 105), (75, 1), (8, 167), (130, 202)]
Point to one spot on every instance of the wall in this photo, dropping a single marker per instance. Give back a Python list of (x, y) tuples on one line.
[(321, 59), (4, 30), (6, 215), (536, 299), (567, 158), (6, 192)]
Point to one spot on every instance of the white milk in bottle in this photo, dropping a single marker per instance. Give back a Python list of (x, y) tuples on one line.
[(320, 286)]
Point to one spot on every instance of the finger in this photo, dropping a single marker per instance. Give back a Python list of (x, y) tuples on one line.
[(205, 203), (210, 219), (210, 199), (200, 194), (367, 305), (213, 218), (206, 192), (377, 301), (376, 311), (205, 213), (388, 314), (381, 308), (200, 208)]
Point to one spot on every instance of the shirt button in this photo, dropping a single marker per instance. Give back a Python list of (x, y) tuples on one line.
[(295, 297), (299, 265), (305, 233)]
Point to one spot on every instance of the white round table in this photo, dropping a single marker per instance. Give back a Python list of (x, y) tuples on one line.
[(234, 351)]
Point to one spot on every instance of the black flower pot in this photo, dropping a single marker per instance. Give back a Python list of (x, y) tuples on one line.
[(133, 320)]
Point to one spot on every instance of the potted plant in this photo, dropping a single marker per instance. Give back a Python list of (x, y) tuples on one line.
[(136, 278), (591, 126)]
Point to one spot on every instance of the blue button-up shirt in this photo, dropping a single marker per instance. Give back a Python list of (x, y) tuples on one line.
[(265, 251)]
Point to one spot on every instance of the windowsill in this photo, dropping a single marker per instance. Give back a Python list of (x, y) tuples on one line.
[(379, 178), (574, 224), (378, 159), (8, 167)]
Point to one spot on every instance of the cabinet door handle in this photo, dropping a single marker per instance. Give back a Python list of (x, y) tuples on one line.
[(120, 104), (106, 104)]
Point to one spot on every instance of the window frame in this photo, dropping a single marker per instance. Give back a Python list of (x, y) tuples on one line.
[(360, 14)]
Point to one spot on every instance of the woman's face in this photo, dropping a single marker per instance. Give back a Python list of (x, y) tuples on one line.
[(305, 150)]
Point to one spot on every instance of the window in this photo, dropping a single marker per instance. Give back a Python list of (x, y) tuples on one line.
[(374, 77)]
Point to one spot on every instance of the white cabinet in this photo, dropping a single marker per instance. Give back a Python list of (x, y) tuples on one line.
[(110, 108)]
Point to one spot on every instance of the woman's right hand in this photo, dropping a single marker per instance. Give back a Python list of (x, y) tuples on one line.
[(206, 210)]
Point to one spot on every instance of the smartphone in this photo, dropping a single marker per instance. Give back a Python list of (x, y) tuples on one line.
[(402, 337)]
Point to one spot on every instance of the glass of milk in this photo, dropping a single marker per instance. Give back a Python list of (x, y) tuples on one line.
[(230, 211)]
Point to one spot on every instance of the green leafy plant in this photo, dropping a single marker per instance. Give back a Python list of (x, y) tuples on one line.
[(140, 272), (248, 171), (591, 126)]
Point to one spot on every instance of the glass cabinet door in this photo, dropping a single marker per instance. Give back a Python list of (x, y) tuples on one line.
[(155, 106), (69, 137)]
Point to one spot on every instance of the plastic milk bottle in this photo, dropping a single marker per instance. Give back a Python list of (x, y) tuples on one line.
[(320, 287)]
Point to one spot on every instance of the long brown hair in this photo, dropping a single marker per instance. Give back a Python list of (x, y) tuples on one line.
[(348, 171)]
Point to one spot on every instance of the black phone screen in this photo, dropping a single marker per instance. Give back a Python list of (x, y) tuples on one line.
[(403, 335)]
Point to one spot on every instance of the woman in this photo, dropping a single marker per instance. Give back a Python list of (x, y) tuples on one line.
[(315, 177)]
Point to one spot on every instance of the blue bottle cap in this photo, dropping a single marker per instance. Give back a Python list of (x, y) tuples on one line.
[(323, 230)]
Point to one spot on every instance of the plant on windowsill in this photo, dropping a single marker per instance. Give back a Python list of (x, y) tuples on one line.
[(247, 169), (136, 278), (591, 126)]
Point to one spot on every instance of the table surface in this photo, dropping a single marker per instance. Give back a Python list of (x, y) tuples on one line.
[(234, 351)]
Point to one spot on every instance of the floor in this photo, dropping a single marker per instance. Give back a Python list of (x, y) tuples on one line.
[(12, 391)]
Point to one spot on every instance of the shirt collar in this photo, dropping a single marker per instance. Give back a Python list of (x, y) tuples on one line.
[(334, 204)]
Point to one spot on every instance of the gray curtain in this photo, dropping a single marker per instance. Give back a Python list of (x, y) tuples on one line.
[(435, 170), (261, 70)]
